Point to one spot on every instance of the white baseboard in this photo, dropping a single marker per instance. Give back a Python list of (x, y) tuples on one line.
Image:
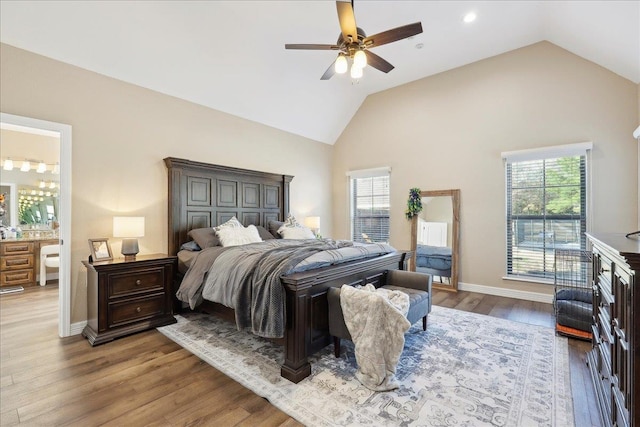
[(504, 292), (76, 328)]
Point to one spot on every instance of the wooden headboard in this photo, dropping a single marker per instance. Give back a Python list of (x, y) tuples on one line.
[(206, 195)]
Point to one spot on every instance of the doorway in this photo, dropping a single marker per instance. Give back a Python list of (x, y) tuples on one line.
[(63, 131)]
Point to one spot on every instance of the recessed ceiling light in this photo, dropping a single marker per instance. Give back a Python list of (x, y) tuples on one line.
[(469, 17)]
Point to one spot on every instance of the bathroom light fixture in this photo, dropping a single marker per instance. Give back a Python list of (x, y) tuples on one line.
[(42, 184), (8, 164), (56, 169), (26, 166), (42, 167), (52, 185)]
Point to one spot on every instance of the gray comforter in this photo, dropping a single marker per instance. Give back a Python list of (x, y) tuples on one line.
[(247, 278)]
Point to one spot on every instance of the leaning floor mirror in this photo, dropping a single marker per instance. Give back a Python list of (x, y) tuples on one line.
[(435, 238)]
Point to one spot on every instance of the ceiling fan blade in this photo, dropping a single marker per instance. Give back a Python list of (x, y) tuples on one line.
[(377, 62), (393, 35), (347, 20), (312, 46), (330, 72)]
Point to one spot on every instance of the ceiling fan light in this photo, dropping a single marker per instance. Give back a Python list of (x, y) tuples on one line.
[(360, 59), (356, 72), (341, 64)]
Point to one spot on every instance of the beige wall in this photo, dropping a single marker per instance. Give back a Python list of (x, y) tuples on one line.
[(447, 131), (122, 132)]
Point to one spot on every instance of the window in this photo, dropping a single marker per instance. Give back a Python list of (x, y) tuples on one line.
[(369, 203), (546, 197)]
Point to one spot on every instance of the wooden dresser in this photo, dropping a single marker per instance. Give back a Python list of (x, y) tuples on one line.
[(124, 297), (20, 261), (614, 361)]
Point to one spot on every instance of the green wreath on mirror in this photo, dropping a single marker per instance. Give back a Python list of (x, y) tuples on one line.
[(414, 204)]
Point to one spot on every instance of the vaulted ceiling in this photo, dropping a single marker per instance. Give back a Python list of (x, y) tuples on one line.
[(230, 56)]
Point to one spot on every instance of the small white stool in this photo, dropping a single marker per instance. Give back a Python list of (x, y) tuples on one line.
[(48, 261)]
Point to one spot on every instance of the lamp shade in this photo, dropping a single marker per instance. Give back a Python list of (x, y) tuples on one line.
[(312, 222), (360, 59), (356, 72), (128, 226), (341, 64)]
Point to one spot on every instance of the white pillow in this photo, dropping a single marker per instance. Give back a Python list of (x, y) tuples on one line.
[(235, 236), (296, 233), (291, 221), (232, 223)]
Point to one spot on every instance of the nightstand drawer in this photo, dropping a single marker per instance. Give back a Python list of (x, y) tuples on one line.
[(121, 313), (16, 262), (136, 281)]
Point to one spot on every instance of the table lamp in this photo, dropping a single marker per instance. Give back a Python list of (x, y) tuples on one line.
[(313, 223), (130, 228)]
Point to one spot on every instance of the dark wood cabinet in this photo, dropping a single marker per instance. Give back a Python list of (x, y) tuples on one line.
[(124, 297), (614, 361)]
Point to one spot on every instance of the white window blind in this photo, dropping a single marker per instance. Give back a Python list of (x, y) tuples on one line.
[(369, 200), (546, 198)]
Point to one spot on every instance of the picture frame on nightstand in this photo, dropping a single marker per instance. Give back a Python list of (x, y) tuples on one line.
[(100, 250)]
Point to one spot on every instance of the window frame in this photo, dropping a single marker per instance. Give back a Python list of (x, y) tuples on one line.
[(365, 174), (582, 150)]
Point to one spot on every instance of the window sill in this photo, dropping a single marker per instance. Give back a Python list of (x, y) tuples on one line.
[(529, 280)]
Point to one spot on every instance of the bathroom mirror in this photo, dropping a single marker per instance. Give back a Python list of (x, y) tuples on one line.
[(435, 238), (38, 207)]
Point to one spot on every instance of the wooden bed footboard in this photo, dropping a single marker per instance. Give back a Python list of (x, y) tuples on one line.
[(307, 321)]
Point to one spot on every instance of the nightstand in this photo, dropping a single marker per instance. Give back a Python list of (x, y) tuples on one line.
[(124, 297)]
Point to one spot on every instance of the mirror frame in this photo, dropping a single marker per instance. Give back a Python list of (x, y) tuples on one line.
[(455, 238)]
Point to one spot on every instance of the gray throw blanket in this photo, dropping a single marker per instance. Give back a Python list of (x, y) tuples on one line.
[(377, 322), (247, 279)]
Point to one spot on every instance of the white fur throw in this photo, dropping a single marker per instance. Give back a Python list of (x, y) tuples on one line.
[(235, 236), (376, 320)]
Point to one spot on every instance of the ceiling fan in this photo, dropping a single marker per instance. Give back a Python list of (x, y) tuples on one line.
[(354, 44)]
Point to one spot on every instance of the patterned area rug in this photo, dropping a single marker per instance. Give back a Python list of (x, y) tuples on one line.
[(465, 370)]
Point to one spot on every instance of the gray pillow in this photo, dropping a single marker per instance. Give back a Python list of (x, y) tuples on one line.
[(273, 227), (264, 234), (190, 246), (204, 237)]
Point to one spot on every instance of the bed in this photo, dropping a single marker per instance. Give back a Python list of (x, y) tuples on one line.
[(434, 260), (204, 195)]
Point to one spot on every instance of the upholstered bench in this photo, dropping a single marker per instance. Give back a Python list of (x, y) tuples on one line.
[(416, 285)]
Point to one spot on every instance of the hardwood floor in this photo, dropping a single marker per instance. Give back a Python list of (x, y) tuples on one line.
[(147, 379)]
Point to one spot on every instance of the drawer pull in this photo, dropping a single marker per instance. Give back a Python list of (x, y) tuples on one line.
[(138, 310), (138, 282)]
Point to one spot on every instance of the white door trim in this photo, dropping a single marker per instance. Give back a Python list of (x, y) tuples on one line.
[(64, 287)]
